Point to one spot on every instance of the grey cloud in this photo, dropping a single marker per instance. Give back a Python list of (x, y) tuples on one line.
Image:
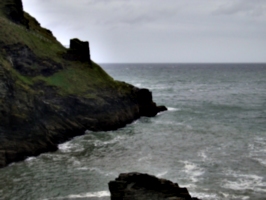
[(159, 31), (243, 7)]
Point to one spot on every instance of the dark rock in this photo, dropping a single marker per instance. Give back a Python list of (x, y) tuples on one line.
[(35, 26), (161, 108), (137, 186), (147, 107), (2, 159), (14, 11), (24, 60)]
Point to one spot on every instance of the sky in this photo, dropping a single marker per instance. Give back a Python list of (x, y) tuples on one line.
[(157, 31)]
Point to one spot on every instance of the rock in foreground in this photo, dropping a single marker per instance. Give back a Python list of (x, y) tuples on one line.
[(137, 186)]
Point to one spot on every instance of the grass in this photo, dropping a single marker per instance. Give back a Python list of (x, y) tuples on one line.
[(36, 26), (76, 78), (42, 46), (23, 82)]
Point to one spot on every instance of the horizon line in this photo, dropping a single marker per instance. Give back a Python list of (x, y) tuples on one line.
[(181, 62)]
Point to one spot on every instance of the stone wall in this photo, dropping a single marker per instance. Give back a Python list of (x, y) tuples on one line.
[(79, 51)]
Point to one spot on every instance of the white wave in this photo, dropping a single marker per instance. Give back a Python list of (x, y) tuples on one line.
[(99, 194), (261, 161), (83, 168), (202, 195), (99, 171), (192, 170), (161, 174), (169, 122), (71, 161), (172, 109), (88, 132), (245, 182), (259, 145), (137, 84), (30, 159), (257, 150), (203, 155), (212, 196), (70, 146), (215, 197), (135, 122), (76, 163), (160, 113), (52, 156), (160, 87), (145, 158), (90, 194), (103, 143), (237, 197), (65, 147), (261, 140)]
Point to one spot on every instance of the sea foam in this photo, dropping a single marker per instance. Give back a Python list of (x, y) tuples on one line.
[(99, 194), (90, 194), (171, 109), (193, 170)]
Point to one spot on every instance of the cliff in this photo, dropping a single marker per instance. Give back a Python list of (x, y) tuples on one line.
[(49, 94)]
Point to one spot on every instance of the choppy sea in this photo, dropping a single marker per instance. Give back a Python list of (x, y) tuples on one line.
[(211, 140)]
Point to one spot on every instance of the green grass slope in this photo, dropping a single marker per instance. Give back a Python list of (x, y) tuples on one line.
[(76, 78)]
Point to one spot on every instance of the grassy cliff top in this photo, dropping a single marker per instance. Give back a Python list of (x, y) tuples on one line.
[(73, 77)]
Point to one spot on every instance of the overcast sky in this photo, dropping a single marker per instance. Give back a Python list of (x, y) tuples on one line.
[(159, 30)]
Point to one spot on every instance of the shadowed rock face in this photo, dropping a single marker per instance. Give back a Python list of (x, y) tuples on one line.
[(47, 98), (147, 107), (14, 11), (137, 186), (24, 60), (30, 125)]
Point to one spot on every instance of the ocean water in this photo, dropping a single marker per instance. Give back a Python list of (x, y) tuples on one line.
[(211, 140)]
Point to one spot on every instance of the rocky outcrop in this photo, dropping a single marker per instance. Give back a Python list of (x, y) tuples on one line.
[(147, 106), (32, 124), (13, 9), (49, 94), (137, 186), (25, 61)]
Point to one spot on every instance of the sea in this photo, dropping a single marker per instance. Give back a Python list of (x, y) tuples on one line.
[(212, 139)]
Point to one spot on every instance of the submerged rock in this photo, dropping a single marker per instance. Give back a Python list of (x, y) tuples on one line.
[(137, 186)]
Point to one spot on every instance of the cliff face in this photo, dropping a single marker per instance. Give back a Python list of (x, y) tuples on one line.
[(13, 10), (49, 94)]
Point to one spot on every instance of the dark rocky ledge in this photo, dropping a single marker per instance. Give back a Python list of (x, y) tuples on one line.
[(137, 186), (50, 94)]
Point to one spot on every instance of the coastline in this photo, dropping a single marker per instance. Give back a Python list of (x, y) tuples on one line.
[(50, 93)]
